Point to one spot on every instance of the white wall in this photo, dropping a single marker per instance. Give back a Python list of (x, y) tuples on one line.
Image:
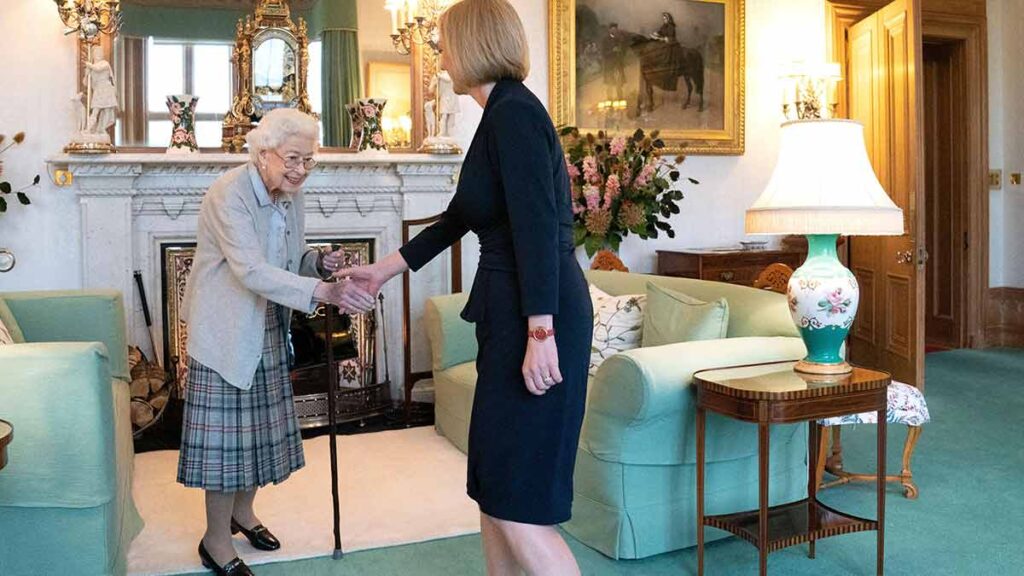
[(1006, 141), (39, 80)]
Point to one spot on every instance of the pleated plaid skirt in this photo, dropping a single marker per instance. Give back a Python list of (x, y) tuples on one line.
[(237, 440)]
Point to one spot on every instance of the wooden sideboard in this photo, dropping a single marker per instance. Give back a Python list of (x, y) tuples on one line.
[(734, 266)]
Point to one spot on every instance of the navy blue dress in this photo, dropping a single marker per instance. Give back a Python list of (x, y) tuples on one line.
[(514, 194)]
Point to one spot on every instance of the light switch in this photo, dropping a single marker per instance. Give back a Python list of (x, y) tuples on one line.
[(995, 179)]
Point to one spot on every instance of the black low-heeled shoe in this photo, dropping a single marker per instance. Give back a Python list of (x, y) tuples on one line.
[(259, 536), (234, 568)]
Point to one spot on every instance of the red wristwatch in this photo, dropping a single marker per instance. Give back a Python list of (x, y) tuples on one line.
[(541, 333)]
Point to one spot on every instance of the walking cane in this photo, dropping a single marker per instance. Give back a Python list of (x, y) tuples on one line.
[(332, 385)]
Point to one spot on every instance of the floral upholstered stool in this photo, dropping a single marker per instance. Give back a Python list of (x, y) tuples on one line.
[(906, 406)]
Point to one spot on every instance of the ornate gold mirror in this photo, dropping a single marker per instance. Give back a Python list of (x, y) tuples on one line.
[(271, 60)]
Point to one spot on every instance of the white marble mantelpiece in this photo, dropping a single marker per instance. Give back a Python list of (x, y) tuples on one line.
[(131, 204)]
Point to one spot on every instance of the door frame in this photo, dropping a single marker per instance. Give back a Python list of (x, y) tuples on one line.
[(970, 29)]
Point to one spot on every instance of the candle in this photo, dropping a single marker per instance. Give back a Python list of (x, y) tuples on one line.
[(413, 9), (394, 19)]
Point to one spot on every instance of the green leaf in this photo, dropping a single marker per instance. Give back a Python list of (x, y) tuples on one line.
[(638, 135), (3, 205), (673, 208), (23, 198), (671, 233), (692, 181), (566, 130), (5, 187), (35, 180), (593, 244), (614, 240), (579, 234), (659, 143), (674, 175)]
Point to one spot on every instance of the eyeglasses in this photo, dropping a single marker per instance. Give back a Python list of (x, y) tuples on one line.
[(292, 162)]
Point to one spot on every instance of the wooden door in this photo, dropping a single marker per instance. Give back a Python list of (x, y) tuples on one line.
[(945, 183), (883, 64)]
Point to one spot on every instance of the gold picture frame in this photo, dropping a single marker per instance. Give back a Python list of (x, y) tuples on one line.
[(626, 95)]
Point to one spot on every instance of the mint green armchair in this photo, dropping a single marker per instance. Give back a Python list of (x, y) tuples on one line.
[(65, 496), (635, 480)]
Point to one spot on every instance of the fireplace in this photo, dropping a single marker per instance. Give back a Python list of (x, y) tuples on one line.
[(359, 392)]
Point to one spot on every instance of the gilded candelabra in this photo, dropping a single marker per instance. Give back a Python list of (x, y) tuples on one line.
[(90, 19), (414, 23)]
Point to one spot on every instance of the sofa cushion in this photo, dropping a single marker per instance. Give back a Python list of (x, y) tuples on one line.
[(672, 316), (618, 325), (10, 333)]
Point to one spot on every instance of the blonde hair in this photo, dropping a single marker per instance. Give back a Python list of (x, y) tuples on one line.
[(279, 125), (484, 42)]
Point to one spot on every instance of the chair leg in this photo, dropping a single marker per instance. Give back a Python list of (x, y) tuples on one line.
[(835, 461), (822, 448), (906, 476)]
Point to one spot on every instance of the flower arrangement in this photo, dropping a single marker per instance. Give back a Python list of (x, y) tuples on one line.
[(621, 185), (5, 187)]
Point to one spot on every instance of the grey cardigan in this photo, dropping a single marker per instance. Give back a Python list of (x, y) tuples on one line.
[(231, 280)]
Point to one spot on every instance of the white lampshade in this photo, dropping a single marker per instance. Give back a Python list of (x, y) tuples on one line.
[(823, 183)]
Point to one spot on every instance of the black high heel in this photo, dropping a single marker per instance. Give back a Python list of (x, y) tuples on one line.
[(259, 536), (234, 568)]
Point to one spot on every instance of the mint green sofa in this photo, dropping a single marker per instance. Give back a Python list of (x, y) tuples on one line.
[(635, 481), (66, 495)]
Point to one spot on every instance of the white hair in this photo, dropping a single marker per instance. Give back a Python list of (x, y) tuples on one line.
[(279, 125)]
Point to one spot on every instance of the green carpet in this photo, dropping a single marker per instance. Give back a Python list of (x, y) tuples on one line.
[(968, 467)]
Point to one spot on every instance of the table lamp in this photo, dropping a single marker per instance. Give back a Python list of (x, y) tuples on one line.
[(823, 185)]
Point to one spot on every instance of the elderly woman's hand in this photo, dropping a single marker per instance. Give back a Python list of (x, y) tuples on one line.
[(333, 261), (370, 278), (346, 295)]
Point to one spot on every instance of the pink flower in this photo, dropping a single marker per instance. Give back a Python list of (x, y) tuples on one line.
[(577, 208), (612, 186), (176, 109), (644, 178), (627, 177), (592, 196), (574, 172), (179, 136), (369, 111), (618, 145), (378, 139), (176, 119), (590, 173)]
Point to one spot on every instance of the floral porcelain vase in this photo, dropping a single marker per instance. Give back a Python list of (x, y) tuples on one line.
[(823, 297), (367, 126), (183, 123)]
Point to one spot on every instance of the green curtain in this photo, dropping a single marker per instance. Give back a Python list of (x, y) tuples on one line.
[(341, 83)]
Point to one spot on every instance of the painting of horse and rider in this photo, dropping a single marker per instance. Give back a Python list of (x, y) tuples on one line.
[(671, 65)]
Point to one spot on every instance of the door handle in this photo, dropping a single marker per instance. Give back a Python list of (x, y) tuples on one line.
[(922, 256), (904, 257)]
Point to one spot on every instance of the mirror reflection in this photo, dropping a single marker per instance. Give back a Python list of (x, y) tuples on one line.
[(177, 47), (274, 79)]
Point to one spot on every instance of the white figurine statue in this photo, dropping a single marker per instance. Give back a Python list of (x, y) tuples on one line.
[(449, 103), (81, 114), (430, 121), (103, 106), (94, 114)]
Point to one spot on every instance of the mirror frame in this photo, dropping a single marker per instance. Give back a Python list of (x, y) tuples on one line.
[(272, 19)]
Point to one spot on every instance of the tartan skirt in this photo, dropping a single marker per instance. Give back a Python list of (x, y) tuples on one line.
[(237, 440)]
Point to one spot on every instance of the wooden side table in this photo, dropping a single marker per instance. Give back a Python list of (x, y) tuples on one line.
[(773, 393), (733, 266), (6, 435)]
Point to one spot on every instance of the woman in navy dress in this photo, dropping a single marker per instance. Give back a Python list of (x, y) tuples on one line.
[(528, 295)]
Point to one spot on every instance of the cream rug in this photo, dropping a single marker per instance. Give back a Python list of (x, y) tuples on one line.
[(397, 487)]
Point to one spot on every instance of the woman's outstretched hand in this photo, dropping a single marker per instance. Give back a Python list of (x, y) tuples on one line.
[(368, 278)]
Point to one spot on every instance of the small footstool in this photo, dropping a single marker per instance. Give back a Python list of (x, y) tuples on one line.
[(906, 406)]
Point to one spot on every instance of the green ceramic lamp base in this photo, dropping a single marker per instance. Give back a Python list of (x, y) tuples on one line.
[(823, 297)]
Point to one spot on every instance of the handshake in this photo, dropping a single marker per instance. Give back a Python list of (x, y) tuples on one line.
[(355, 291)]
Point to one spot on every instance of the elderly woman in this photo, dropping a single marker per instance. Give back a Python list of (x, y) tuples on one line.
[(529, 293), (251, 267)]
